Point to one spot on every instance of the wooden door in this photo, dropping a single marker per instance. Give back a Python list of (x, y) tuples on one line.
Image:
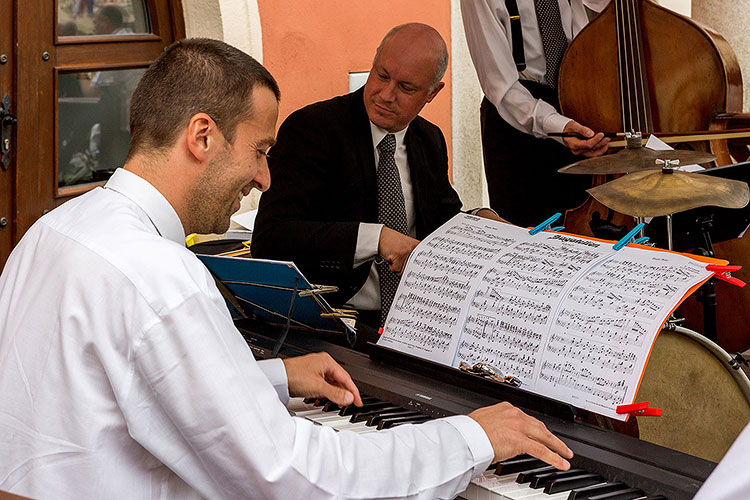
[(53, 46), (7, 69)]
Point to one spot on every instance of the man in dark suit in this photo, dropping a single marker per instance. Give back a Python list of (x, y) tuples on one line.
[(330, 210)]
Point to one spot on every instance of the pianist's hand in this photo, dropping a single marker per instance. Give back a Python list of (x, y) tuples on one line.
[(512, 432), (317, 374), (395, 248)]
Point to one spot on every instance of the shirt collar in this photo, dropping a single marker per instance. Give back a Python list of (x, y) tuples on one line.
[(151, 201), (378, 134)]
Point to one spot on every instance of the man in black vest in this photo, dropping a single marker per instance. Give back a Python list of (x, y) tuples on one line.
[(516, 49)]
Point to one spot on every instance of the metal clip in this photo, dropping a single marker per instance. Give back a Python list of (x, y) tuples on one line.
[(488, 371)]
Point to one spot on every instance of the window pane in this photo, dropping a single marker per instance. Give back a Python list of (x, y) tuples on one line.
[(93, 123), (102, 17)]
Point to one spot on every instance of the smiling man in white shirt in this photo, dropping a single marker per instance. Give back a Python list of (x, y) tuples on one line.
[(121, 372)]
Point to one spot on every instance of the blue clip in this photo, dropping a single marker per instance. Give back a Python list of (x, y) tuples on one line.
[(641, 241), (545, 225), (557, 228), (626, 239)]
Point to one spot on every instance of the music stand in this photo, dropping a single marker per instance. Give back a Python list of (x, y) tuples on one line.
[(696, 230)]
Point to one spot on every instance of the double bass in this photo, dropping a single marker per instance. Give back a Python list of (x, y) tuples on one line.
[(638, 66)]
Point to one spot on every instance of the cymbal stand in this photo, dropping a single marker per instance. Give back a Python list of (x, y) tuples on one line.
[(707, 295)]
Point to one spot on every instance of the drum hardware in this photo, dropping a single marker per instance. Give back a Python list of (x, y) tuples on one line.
[(634, 158), (737, 360)]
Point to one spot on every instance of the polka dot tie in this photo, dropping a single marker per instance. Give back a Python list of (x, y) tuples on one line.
[(391, 213), (553, 37)]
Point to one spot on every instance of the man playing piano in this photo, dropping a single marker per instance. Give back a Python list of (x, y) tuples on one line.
[(360, 178), (121, 372)]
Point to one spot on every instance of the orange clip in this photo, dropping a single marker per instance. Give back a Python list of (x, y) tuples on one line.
[(724, 273), (639, 409)]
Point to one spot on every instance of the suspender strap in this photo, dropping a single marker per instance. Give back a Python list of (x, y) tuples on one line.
[(516, 34)]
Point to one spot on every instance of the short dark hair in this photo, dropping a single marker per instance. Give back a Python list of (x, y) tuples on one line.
[(197, 75), (113, 13)]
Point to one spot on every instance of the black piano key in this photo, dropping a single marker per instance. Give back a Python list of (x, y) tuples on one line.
[(351, 409), (591, 491), (625, 494), (309, 401), (528, 475), (516, 465), (388, 423), (362, 417), (377, 419), (571, 483), (541, 480), (330, 407), (655, 497)]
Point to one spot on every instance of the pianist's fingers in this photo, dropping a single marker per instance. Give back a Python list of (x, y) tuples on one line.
[(513, 432), (318, 375)]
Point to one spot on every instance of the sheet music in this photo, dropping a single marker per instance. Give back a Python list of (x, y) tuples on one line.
[(570, 317)]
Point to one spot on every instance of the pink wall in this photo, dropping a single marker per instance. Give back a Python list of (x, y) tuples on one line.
[(310, 46)]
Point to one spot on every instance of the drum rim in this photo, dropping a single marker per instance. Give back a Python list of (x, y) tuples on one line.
[(742, 380)]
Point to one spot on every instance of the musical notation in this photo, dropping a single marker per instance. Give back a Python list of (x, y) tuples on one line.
[(583, 380), (442, 286), (605, 328), (570, 317), (418, 306)]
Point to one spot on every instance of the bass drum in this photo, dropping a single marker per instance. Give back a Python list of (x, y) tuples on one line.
[(704, 394)]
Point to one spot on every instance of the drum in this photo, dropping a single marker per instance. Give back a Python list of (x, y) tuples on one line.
[(704, 394)]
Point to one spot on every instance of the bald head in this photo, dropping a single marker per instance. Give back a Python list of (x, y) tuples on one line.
[(420, 39)]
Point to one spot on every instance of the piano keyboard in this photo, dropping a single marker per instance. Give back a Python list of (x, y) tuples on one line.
[(520, 478)]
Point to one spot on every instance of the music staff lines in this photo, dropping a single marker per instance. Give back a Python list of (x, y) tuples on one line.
[(441, 286), (536, 285), (468, 249), (592, 353), (491, 300), (442, 313), (619, 304), (520, 365), (480, 235), (609, 329), (560, 252), (565, 374), (448, 264), (421, 334), (538, 264)]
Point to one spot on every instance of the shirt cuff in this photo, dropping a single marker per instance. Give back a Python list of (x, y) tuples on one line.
[(275, 372), (477, 441), (368, 238), (476, 211), (555, 123)]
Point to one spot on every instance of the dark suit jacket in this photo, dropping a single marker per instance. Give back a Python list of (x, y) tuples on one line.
[(324, 183)]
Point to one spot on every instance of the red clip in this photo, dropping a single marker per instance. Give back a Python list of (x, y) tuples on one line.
[(724, 273), (380, 331), (639, 409)]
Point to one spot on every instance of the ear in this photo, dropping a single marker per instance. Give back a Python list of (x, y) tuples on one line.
[(435, 91), (203, 137)]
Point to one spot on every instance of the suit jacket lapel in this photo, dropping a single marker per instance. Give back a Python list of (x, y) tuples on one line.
[(365, 154)]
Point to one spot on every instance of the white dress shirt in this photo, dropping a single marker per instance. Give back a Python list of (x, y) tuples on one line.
[(368, 237), (730, 479), (488, 34), (123, 376)]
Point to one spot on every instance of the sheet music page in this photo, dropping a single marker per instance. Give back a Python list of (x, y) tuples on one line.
[(434, 293), (570, 317)]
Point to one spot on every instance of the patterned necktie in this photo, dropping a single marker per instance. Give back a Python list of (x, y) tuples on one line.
[(553, 37), (391, 213)]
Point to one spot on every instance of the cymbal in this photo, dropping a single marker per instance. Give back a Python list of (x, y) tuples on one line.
[(653, 193), (634, 160)]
